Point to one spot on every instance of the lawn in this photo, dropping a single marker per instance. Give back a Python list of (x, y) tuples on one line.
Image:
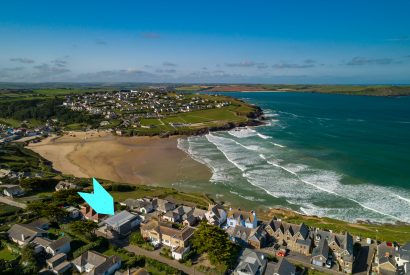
[(162, 192), (6, 254), (6, 210)]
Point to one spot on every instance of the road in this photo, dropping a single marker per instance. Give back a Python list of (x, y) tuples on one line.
[(304, 260), (155, 255), (12, 202)]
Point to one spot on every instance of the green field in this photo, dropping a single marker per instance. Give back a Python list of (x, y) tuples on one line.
[(46, 104), (142, 191), (369, 90)]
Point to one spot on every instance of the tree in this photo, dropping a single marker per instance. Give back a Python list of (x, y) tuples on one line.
[(38, 184), (28, 260), (47, 210), (214, 241), (70, 197), (136, 238), (85, 228)]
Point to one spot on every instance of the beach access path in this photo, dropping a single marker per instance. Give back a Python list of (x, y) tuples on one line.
[(156, 256), (12, 202)]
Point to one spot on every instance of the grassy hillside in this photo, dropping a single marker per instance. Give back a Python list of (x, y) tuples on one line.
[(37, 106), (383, 232)]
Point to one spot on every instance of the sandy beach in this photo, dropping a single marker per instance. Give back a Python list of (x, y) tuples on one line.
[(135, 160)]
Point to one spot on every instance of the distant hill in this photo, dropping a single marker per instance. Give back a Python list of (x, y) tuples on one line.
[(371, 90)]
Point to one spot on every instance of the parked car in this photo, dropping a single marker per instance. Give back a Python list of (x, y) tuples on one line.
[(281, 253)]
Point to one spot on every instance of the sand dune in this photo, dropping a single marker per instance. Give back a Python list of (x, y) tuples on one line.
[(137, 160)]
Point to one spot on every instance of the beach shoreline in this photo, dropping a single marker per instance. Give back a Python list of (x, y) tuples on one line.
[(132, 160)]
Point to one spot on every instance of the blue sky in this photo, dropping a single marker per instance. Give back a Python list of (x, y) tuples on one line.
[(238, 41)]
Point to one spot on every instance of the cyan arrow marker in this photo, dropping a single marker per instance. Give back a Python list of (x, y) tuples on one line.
[(101, 201)]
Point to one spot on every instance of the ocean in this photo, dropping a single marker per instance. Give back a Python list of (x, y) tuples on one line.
[(339, 156)]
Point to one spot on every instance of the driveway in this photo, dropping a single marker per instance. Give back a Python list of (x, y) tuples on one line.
[(12, 202), (155, 255)]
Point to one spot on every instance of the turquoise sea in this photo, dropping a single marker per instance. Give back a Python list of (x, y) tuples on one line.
[(340, 156)]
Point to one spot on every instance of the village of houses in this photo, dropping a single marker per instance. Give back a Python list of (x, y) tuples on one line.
[(165, 224), (131, 106)]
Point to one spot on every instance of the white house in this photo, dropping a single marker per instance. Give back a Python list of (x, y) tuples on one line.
[(242, 218), (215, 215), (92, 262)]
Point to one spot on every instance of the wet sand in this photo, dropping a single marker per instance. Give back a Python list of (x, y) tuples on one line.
[(135, 160)]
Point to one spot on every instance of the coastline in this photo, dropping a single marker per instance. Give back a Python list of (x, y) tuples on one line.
[(133, 160), (68, 147)]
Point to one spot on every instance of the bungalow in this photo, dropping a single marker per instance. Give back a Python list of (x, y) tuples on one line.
[(242, 218), (92, 262), (13, 191), (23, 234), (216, 215), (89, 213), (122, 223), (53, 247), (144, 206), (251, 263), (61, 245)]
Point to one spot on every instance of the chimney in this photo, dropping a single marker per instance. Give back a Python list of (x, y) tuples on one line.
[(22, 237)]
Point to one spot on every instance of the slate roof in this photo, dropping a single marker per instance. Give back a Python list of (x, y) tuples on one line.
[(286, 268), (62, 266), (322, 249), (39, 223), (183, 234), (56, 258), (239, 215), (404, 252), (172, 214), (386, 254), (198, 213), (181, 210), (216, 210), (17, 230), (292, 228), (44, 242), (251, 262), (100, 262), (59, 242)]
